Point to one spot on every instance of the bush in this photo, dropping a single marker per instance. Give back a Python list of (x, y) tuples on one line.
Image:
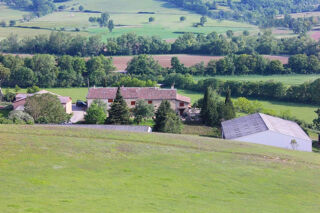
[(20, 117), (46, 108), (33, 89), (9, 96), (5, 121), (95, 114)]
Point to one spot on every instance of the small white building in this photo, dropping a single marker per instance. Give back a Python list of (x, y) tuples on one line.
[(268, 130)]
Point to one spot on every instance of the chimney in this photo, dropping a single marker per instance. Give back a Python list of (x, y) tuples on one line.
[(172, 86)]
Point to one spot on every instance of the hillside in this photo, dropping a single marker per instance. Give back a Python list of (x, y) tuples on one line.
[(126, 15), (66, 170)]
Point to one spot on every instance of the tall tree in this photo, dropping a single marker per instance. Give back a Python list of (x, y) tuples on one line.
[(4, 73), (210, 108), (110, 25), (316, 123), (166, 119), (119, 112), (228, 108)]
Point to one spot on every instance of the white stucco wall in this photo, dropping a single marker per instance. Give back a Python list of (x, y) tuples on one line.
[(271, 138)]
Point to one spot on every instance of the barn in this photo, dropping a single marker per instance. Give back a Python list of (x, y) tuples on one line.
[(268, 130)]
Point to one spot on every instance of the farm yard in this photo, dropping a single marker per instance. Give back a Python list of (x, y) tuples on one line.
[(51, 169), (301, 111)]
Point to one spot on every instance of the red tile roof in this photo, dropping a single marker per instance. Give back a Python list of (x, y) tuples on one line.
[(146, 93)]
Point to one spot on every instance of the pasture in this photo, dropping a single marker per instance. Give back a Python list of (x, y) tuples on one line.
[(294, 79), (128, 17), (51, 169)]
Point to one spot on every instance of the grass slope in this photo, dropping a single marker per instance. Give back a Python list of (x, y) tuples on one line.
[(126, 18), (66, 170)]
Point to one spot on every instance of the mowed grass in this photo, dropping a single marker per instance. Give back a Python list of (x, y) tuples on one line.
[(303, 112), (285, 79), (51, 169), (126, 18)]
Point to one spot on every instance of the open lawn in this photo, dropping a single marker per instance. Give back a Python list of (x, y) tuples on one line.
[(285, 79), (126, 18), (65, 170), (301, 111)]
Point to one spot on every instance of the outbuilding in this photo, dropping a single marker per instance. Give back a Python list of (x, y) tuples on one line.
[(268, 130)]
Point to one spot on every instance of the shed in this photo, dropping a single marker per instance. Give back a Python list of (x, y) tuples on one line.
[(268, 130)]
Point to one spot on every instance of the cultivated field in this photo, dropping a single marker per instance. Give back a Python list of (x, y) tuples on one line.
[(127, 18), (295, 79), (66, 170), (120, 62)]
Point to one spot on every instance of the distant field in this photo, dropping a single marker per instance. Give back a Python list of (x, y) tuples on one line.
[(285, 79), (126, 18), (51, 169), (301, 111)]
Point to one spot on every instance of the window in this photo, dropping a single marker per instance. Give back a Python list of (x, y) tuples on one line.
[(110, 100), (133, 103), (181, 104), (149, 102)]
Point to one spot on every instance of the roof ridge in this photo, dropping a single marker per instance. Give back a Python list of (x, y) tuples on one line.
[(264, 122)]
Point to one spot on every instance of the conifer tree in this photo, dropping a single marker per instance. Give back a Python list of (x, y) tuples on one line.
[(119, 112), (316, 123), (166, 119), (228, 108), (210, 108)]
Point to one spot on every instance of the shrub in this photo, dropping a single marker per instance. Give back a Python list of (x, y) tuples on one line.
[(46, 108), (33, 89), (95, 114), (20, 117), (166, 119)]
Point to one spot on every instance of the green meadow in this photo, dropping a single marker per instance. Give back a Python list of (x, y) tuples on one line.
[(126, 18), (51, 169), (294, 79)]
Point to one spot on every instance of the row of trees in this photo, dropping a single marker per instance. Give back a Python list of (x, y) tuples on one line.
[(130, 44), (166, 119), (269, 90)]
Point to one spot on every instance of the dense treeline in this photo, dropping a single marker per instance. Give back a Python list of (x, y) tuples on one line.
[(64, 71), (130, 44), (38, 7), (260, 12)]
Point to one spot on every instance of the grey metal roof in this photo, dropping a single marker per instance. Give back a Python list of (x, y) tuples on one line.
[(259, 122)]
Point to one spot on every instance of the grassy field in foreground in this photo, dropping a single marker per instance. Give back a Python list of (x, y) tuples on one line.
[(66, 170), (303, 112), (285, 79)]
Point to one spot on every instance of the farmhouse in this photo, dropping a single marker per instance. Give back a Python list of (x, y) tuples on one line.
[(21, 98), (268, 130), (131, 95)]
